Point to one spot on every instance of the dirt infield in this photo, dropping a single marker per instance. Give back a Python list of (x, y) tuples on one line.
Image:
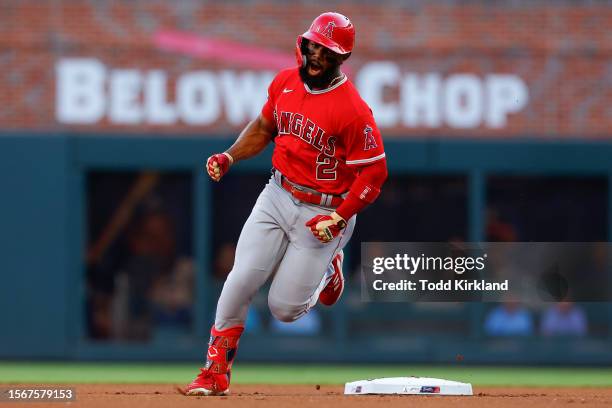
[(253, 396)]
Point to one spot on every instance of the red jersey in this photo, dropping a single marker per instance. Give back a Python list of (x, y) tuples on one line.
[(323, 136)]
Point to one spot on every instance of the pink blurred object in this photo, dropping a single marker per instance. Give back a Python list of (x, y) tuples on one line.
[(222, 50), (230, 52)]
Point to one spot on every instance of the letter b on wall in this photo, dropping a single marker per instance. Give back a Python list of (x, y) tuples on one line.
[(80, 96)]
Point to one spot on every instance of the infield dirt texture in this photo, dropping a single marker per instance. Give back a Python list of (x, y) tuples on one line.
[(272, 396), (154, 385)]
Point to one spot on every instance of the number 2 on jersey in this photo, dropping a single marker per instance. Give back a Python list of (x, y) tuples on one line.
[(326, 167)]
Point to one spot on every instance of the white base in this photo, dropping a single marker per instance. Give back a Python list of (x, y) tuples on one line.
[(408, 386)]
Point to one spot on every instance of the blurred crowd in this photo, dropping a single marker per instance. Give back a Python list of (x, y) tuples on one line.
[(141, 273), (139, 260), (558, 319)]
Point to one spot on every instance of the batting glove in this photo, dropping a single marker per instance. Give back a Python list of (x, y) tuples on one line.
[(326, 227), (218, 164)]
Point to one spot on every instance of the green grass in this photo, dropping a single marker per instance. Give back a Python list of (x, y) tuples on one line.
[(74, 373)]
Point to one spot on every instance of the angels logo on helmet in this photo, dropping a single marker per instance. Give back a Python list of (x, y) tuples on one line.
[(329, 30)]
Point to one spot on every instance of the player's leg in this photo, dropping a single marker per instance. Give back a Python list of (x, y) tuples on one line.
[(260, 247), (301, 274)]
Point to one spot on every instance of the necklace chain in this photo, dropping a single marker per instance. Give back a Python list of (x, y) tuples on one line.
[(335, 79)]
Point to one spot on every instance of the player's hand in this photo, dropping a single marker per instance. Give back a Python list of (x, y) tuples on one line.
[(326, 227), (218, 164)]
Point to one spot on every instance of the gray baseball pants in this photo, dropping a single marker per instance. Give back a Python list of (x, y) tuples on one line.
[(274, 242)]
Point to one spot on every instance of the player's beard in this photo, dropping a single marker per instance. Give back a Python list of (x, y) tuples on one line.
[(321, 81)]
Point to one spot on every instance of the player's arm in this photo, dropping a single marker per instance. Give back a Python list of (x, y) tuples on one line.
[(251, 141), (363, 192)]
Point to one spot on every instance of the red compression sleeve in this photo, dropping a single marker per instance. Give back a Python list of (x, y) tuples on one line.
[(364, 190)]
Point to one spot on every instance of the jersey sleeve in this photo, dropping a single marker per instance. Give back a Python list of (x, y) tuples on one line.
[(364, 143)]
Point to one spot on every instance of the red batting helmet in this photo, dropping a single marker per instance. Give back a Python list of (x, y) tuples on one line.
[(331, 30)]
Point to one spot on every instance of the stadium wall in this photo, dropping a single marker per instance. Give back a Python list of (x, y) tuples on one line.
[(42, 244)]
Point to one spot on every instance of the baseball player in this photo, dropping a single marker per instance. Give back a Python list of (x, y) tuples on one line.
[(328, 164)]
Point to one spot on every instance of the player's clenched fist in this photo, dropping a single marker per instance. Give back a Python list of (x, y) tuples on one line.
[(326, 227), (218, 164)]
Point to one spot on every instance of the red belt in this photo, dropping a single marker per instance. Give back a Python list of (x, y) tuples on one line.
[(311, 196)]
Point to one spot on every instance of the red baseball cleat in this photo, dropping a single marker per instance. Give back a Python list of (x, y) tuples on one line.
[(214, 378), (207, 383), (335, 285)]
